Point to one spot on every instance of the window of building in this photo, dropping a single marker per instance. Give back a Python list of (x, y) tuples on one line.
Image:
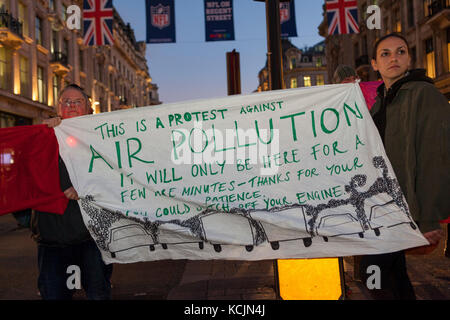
[(81, 58), (38, 30), (307, 81), (356, 50), (100, 72), (5, 68), (293, 82), (448, 49), (398, 21), (23, 74), (65, 48), (410, 12), (63, 12), (320, 80), (4, 5), (42, 88), (426, 8), (54, 43), (430, 58), (319, 62), (413, 56), (11, 120), (292, 63), (23, 17), (56, 89)]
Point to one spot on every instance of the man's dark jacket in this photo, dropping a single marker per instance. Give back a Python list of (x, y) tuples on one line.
[(60, 230)]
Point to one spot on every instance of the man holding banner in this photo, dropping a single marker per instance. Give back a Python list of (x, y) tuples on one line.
[(63, 240)]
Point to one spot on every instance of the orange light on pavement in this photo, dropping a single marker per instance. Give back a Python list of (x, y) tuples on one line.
[(310, 279)]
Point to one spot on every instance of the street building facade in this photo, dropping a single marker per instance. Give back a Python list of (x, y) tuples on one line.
[(301, 68), (424, 23), (39, 55)]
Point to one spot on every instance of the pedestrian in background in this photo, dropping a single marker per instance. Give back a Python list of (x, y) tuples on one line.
[(344, 74), (413, 119)]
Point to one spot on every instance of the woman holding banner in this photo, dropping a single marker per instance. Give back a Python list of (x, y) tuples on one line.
[(413, 120)]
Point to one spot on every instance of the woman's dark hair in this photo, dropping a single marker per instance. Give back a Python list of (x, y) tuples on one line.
[(390, 35)]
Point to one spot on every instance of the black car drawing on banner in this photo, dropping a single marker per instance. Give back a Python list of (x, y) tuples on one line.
[(291, 225), (135, 235), (387, 215), (216, 228), (338, 221), (221, 228)]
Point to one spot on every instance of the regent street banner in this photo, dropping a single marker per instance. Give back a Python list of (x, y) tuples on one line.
[(298, 173), (219, 22)]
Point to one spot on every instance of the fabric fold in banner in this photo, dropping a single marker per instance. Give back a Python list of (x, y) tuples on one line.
[(298, 173), (29, 175), (160, 15)]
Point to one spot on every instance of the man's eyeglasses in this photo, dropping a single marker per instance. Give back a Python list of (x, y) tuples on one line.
[(69, 102)]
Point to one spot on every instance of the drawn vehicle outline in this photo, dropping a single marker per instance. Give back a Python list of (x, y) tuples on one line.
[(374, 219), (345, 218), (292, 234), (144, 239), (254, 227)]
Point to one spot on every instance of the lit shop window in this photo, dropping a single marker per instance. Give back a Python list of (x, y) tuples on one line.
[(42, 88), (430, 58), (307, 81), (293, 82), (320, 80)]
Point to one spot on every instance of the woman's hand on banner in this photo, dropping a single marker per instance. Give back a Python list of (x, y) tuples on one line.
[(434, 236)]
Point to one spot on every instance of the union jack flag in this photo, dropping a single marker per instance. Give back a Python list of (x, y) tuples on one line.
[(342, 16), (98, 22)]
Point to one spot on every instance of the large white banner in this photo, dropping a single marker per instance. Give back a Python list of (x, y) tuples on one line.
[(296, 173)]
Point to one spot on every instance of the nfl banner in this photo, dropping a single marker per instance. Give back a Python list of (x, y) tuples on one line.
[(160, 21), (98, 22), (287, 19), (219, 24)]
